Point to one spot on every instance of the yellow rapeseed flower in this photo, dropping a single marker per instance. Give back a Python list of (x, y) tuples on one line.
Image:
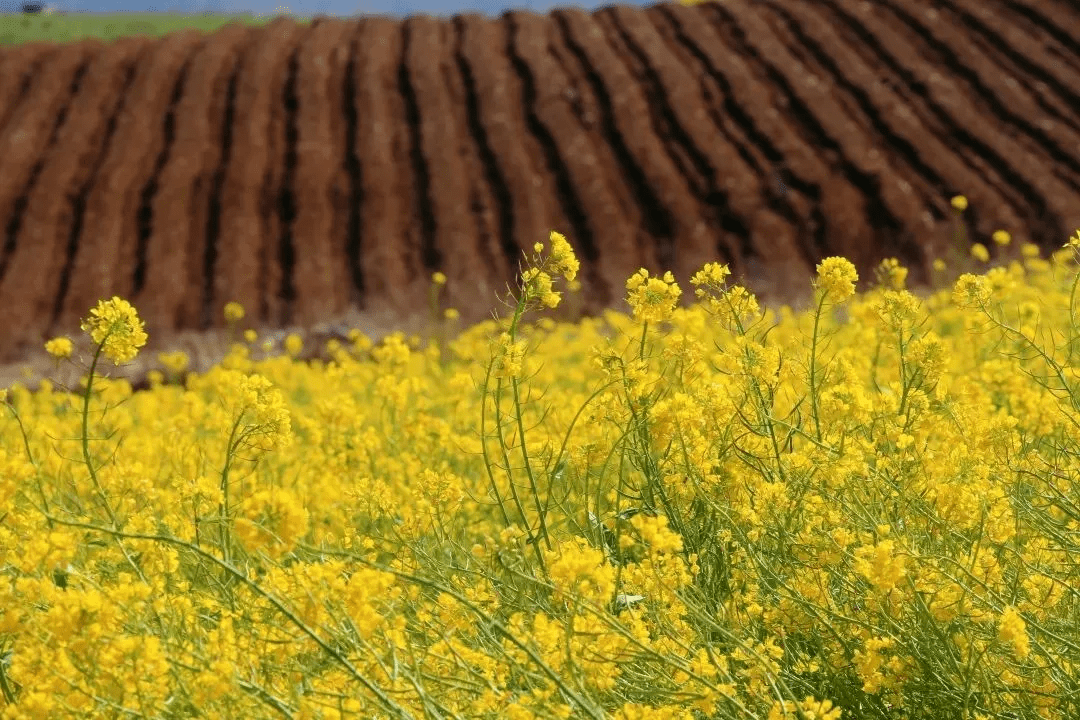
[(652, 299), (1013, 630), (891, 273), (508, 358), (959, 203), (234, 312), (116, 326), (59, 347), (980, 253), (837, 278), (175, 362), (294, 345), (898, 308), (1001, 237), (562, 257), (971, 290), (438, 278), (537, 288)]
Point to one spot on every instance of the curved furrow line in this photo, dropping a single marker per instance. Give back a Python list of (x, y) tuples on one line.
[(239, 260), (1003, 93), (420, 219), (279, 290), (899, 142), (489, 204), (33, 128), (452, 238), (387, 256), (351, 163), (517, 211), (855, 154), (675, 222), (925, 162), (1018, 168), (1059, 18), (19, 65), (670, 218), (589, 111), (172, 243), (35, 268), (321, 183), (108, 236), (747, 108), (730, 188), (671, 168), (318, 175), (585, 191), (1048, 91), (1052, 63)]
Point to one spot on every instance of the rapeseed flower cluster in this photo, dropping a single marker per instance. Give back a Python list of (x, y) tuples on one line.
[(702, 511)]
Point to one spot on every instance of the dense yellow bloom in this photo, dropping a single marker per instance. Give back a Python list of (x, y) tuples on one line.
[(898, 309), (116, 324), (234, 312), (509, 358), (836, 278), (1013, 630), (294, 344), (60, 347), (537, 288), (387, 553), (891, 274), (175, 362), (879, 564), (971, 290), (562, 257), (652, 299)]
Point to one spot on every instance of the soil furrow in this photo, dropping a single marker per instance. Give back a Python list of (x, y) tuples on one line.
[(29, 287), (1059, 18), (498, 126), (1003, 156), (1052, 64), (488, 203), (816, 111), (452, 239), (321, 186), (657, 166), (748, 108), (730, 189), (105, 253), (19, 66), (25, 145), (389, 254), (584, 189), (171, 254), (929, 165), (238, 261), (1006, 96), (628, 133), (319, 175)]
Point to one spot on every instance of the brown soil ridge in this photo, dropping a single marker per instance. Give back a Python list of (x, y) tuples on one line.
[(309, 172)]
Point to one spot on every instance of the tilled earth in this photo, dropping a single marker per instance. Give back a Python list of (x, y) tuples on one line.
[(324, 172)]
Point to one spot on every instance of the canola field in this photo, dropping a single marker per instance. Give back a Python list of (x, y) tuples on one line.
[(868, 510)]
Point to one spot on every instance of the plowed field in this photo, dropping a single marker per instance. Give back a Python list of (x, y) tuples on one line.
[(310, 171)]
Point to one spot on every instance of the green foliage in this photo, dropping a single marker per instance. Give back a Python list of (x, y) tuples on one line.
[(18, 29)]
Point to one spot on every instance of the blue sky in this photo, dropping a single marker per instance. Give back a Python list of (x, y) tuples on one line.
[(343, 8)]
